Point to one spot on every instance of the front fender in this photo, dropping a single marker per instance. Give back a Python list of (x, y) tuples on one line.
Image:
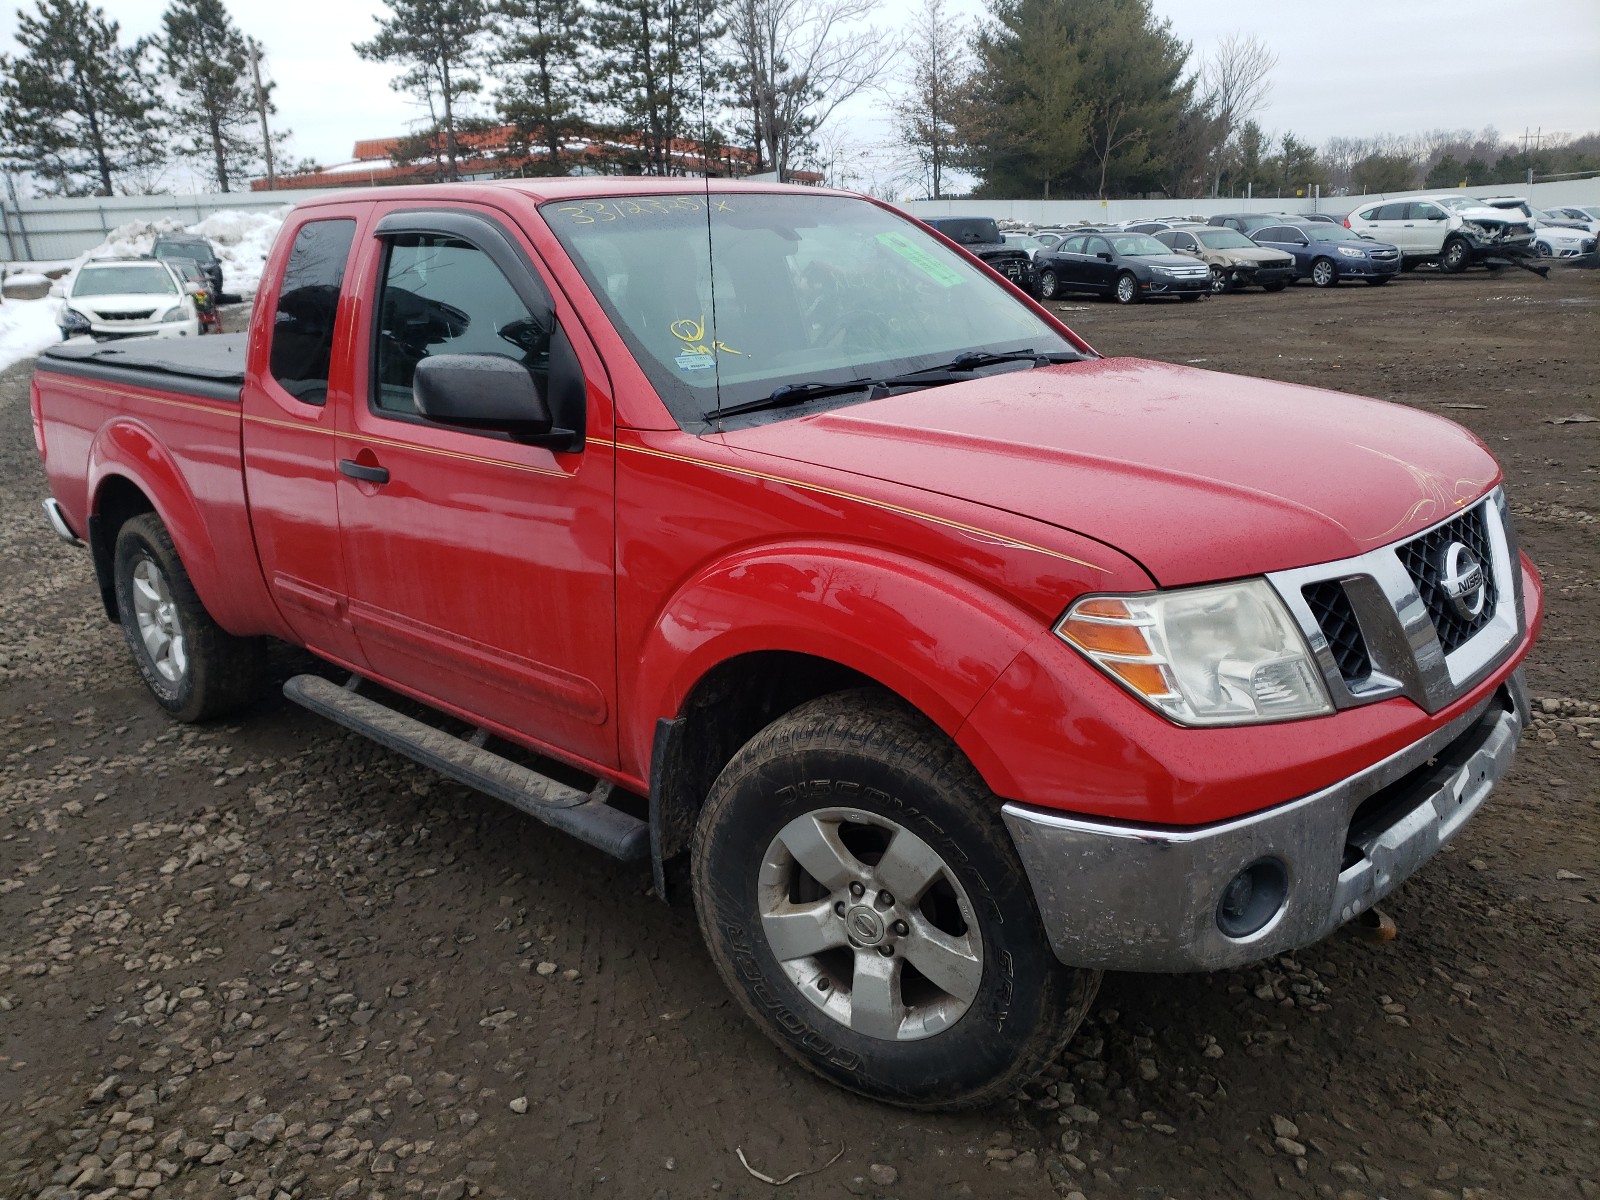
[(214, 540), (937, 639)]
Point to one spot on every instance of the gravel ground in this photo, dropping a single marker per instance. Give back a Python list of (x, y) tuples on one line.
[(268, 959)]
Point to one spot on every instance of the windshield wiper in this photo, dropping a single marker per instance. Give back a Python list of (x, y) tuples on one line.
[(973, 359), (961, 364)]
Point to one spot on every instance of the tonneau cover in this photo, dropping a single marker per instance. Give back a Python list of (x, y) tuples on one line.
[(218, 358)]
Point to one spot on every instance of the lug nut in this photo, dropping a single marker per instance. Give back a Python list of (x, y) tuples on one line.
[(857, 890), (838, 907), (885, 899), (886, 950), (901, 928), (822, 985)]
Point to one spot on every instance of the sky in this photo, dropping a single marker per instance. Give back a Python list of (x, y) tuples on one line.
[(1400, 66)]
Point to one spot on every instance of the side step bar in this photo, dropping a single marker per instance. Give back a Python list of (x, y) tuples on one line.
[(585, 815)]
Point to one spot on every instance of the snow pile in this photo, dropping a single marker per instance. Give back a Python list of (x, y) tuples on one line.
[(25, 279), (26, 327), (241, 240)]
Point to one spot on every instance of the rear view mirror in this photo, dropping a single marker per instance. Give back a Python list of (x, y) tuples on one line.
[(481, 391)]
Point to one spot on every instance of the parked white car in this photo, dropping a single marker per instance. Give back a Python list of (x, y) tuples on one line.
[(1588, 217), (1453, 230), (1561, 241), (128, 297)]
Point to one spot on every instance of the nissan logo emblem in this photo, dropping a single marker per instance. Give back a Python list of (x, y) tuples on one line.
[(1462, 581)]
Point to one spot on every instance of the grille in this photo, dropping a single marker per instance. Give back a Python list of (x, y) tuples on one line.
[(1423, 559), (1337, 619), (141, 315)]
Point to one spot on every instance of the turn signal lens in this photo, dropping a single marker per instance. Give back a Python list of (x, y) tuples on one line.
[(1227, 654)]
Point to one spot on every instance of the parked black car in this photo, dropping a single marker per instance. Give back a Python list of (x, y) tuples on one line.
[(197, 250), (982, 236), (1326, 254), (1129, 266)]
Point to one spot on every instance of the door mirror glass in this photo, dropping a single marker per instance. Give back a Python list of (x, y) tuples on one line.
[(480, 391)]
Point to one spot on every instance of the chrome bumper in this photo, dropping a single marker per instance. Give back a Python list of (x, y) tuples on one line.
[(58, 522), (1124, 898)]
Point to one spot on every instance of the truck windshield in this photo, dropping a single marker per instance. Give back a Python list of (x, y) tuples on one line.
[(117, 281), (969, 231), (806, 289)]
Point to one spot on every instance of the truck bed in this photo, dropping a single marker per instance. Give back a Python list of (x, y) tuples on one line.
[(210, 367)]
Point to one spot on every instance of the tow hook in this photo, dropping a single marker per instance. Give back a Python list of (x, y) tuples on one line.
[(1375, 925)]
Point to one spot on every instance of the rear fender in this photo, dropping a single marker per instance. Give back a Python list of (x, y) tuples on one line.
[(937, 639), (127, 449)]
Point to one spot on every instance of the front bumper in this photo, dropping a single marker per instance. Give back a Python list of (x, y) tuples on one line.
[(1168, 286), (1120, 897), (1251, 276)]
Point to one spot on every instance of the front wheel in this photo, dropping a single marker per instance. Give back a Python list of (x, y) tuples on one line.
[(1221, 281), (1049, 285), (1457, 256), (193, 667), (1323, 273), (1542, 249), (862, 899), (1127, 291)]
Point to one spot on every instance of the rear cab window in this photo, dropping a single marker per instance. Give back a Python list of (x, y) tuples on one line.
[(308, 307)]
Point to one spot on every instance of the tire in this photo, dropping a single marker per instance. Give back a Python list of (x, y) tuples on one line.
[(194, 668), (1127, 289), (1221, 281), (1324, 274), (1378, 280), (871, 795), (1542, 249), (1456, 256), (1275, 287), (1049, 285), (1188, 297)]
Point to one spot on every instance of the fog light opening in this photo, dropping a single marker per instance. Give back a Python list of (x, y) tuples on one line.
[(1253, 898)]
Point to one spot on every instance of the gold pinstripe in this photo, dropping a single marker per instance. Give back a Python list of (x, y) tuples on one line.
[(959, 526)]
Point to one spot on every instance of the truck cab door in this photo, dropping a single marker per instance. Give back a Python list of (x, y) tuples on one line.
[(300, 378), (481, 565)]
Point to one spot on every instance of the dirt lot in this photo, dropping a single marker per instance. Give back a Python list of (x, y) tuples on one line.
[(269, 959)]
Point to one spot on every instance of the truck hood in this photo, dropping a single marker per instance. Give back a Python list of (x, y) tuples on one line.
[(1197, 475)]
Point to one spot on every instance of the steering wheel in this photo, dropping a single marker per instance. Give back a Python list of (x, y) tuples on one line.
[(856, 329)]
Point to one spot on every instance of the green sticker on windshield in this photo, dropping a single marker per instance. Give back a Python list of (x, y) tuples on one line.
[(940, 273)]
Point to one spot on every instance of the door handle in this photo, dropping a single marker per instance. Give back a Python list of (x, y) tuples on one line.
[(348, 466)]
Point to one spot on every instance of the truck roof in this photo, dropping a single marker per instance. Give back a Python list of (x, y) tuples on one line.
[(570, 187)]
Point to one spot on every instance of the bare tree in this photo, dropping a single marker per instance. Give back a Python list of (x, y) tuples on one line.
[(940, 64), (1234, 82), (796, 62)]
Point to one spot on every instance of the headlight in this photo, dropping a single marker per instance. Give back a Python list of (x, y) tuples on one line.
[(73, 321), (1352, 252), (1225, 654), (173, 314)]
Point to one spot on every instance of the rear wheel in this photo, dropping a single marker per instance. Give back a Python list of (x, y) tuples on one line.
[(1324, 273), (1127, 289), (863, 901), (1048, 284), (1457, 256), (193, 667)]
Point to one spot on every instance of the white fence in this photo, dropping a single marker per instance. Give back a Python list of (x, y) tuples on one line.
[(49, 229), (1053, 212)]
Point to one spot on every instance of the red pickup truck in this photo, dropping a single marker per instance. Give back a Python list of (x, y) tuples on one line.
[(765, 534)]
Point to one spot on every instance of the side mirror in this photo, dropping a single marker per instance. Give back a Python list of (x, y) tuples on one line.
[(481, 391), (1105, 255)]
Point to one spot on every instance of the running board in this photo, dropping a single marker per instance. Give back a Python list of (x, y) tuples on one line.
[(585, 815)]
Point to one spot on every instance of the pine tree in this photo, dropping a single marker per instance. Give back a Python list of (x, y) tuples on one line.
[(208, 61), (545, 100), (440, 43), (76, 107), (663, 76)]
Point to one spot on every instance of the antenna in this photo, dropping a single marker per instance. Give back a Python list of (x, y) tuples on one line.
[(705, 174)]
